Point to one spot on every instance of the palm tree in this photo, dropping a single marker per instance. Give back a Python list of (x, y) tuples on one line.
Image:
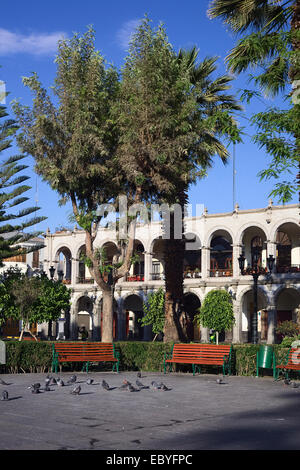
[(216, 107), (272, 43)]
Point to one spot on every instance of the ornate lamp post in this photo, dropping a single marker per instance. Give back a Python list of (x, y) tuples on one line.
[(60, 275), (51, 271), (255, 272)]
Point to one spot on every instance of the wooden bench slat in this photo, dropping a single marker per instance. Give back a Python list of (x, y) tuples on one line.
[(200, 354)]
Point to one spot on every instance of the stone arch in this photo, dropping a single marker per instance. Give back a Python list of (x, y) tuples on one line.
[(244, 227), (133, 309), (221, 253), (63, 261), (216, 229), (191, 303), (279, 223), (287, 305), (245, 304)]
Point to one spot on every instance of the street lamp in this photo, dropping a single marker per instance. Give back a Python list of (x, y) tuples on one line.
[(60, 275), (52, 271), (255, 271)]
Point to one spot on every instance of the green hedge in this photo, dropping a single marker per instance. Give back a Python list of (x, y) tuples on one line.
[(29, 356)]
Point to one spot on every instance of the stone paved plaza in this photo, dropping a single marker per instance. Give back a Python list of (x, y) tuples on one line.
[(197, 413)]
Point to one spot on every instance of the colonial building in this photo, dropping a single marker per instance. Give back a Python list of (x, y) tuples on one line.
[(211, 261)]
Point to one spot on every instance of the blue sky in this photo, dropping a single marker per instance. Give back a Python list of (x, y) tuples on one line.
[(28, 36)]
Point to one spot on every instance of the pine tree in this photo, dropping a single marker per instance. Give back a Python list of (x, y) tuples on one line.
[(12, 235)]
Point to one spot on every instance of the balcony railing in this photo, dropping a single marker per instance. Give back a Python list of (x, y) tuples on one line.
[(84, 280), (293, 268), (157, 277), (192, 274), (135, 278), (221, 272), (248, 271)]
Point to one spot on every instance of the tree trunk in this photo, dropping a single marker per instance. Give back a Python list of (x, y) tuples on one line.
[(174, 258), (107, 316)]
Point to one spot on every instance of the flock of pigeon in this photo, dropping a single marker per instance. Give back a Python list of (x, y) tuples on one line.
[(49, 380), (126, 385)]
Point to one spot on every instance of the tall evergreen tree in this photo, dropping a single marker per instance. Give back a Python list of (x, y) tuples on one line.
[(12, 234), (272, 45)]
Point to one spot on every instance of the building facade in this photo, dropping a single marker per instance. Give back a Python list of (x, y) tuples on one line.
[(211, 261)]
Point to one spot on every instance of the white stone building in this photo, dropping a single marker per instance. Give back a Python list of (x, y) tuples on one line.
[(211, 262)]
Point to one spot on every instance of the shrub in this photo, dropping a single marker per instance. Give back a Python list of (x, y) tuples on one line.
[(288, 328)]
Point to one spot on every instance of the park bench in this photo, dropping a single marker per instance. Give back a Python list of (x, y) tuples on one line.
[(84, 352), (199, 354), (291, 362)]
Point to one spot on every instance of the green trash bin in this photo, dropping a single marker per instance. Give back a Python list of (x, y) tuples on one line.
[(265, 359)]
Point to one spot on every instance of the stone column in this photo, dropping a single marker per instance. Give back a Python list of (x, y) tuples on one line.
[(96, 321), (148, 267), (205, 262), (236, 251), (73, 323), (271, 324), (121, 319), (73, 271), (237, 328)]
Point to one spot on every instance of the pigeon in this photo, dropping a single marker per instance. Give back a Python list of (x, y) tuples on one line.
[(286, 381), (90, 381), (52, 381), (131, 388), (35, 390), (126, 382), (105, 385), (46, 388), (72, 380), (60, 382), (35, 386), (4, 395), (76, 390), (155, 385), (294, 385), (2, 382), (140, 385), (220, 381), (139, 375), (164, 387)]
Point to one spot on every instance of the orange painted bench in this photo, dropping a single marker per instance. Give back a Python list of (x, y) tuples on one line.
[(85, 352), (199, 354), (292, 362)]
